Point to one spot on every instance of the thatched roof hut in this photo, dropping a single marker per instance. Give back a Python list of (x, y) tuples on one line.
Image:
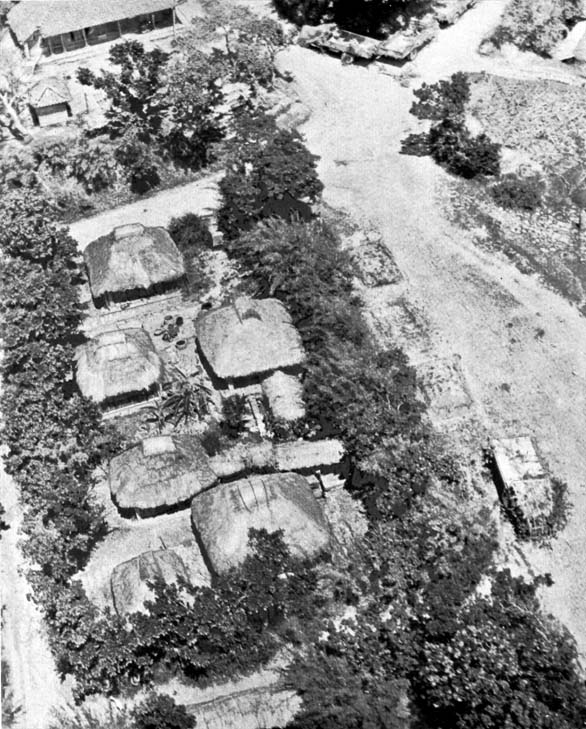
[(160, 473), (306, 455), (573, 46), (132, 261), (129, 581), (223, 516), (284, 394), (249, 337), (296, 455), (118, 365)]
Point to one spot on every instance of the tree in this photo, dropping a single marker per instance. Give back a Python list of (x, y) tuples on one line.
[(377, 17), (136, 92), (14, 79), (159, 711), (250, 42)]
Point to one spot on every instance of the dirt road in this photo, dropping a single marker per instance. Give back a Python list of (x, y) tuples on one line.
[(523, 348)]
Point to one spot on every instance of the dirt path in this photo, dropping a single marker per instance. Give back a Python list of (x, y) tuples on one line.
[(195, 197), (34, 681), (476, 305)]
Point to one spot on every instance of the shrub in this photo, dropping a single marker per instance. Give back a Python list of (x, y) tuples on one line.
[(159, 711), (519, 193), (190, 232), (233, 415), (442, 99), (139, 162), (452, 145), (304, 12)]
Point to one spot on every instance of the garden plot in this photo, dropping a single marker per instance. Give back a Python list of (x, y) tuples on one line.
[(542, 118), (445, 388)]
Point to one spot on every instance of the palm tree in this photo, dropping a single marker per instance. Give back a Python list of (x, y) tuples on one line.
[(188, 398)]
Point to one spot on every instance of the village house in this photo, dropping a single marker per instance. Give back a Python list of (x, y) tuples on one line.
[(223, 516), (131, 580), (132, 262), (524, 486), (253, 341), (160, 473), (119, 367), (41, 27), (49, 101)]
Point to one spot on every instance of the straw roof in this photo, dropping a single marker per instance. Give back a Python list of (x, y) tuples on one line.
[(132, 257), (52, 17), (523, 476), (118, 363), (285, 396), (297, 455), (249, 337), (223, 516), (161, 471), (48, 92), (129, 582)]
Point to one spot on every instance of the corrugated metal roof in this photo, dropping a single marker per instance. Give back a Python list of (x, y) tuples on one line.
[(52, 17)]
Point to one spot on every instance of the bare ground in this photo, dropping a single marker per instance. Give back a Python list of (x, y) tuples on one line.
[(474, 305)]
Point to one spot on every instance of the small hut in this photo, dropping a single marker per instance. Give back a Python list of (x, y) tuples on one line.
[(284, 394), (524, 486), (132, 262), (309, 456), (304, 456), (249, 338), (223, 516), (119, 367), (160, 473), (49, 101), (130, 580)]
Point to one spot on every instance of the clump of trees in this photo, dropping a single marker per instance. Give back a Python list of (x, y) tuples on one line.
[(370, 17), (449, 141), (265, 164)]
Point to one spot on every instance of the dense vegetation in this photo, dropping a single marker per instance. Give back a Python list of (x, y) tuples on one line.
[(536, 25), (449, 141), (370, 17)]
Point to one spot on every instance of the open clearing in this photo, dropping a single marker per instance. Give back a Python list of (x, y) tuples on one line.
[(477, 306)]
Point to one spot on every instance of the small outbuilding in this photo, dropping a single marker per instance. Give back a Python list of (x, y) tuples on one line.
[(49, 101), (119, 367), (132, 262), (249, 338), (130, 580), (284, 394), (160, 473), (223, 516), (523, 485), (573, 47)]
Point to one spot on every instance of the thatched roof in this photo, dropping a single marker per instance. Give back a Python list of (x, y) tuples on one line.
[(285, 396), (48, 92), (129, 580), (52, 17), (160, 472), (300, 455), (297, 455), (132, 257), (118, 363), (523, 476), (223, 516), (249, 337)]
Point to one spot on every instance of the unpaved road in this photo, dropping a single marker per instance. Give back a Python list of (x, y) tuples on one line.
[(477, 305)]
